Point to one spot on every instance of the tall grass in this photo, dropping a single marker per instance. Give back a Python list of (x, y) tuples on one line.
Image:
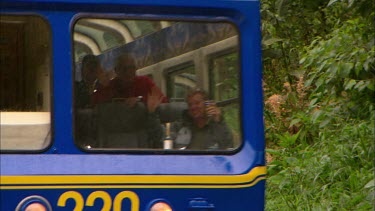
[(334, 173)]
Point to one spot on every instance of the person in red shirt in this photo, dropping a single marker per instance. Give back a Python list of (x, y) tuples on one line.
[(129, 87), (144, 129)]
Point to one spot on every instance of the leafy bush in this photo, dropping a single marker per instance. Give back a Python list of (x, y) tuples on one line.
[(319, 116)]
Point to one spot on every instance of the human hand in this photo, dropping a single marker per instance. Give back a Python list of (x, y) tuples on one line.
[(154, 98), (213, 111)]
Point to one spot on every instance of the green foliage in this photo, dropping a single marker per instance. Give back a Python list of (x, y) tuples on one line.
[(341, 68), (319, 66), (335, 173)]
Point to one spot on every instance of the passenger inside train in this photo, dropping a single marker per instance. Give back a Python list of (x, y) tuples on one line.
[(131, 111), (203, 126), (124, 108), (93, 78)]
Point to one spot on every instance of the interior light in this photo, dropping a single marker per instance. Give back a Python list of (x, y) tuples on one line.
[(36, 207), (161, 206)]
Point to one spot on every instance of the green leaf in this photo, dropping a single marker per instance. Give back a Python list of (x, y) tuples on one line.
[(319, 82), (370, 184), (371, 86), (278, 178), (322, 66), (345, 69), (364, 86), (281, 7), (313, 101), (333, 69), (273, 151), (331, 2), (350, 84), (271, 41), (294, 121), (316, 115), (291, 160), (351, 2), (324, 123), (310, 80), (359, 84), (366, 65)]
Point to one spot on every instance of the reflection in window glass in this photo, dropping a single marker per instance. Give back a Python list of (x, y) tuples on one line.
[(25, 83), (118, 106), (225, 76), (111, 40), (180, 81)]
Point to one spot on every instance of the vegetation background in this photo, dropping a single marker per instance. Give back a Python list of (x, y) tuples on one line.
[(319, 68)]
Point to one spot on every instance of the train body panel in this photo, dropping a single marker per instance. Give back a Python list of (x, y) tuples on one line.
[(62, 173)]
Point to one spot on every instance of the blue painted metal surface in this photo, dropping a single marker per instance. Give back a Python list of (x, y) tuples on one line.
[(64, 158), (222, 199)]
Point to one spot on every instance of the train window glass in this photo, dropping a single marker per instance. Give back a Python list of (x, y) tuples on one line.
[(180, 81), (224, 71), (225, 75), (25, 98), (118, 107)]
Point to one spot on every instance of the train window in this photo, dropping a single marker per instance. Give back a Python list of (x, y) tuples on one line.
[(25, 99), (119, 107)]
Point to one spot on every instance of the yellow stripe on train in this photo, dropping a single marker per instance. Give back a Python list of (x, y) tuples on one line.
[(138, 180)]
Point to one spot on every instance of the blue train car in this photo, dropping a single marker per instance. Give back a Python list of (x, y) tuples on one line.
[(187, 134)]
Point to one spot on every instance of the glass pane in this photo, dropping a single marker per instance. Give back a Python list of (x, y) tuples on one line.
[(25, 57), (225, 74), (225, 88), (153, 92), (180, 81)]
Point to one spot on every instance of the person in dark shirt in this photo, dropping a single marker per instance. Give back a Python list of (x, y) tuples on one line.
[(203, 127), (93, 77)]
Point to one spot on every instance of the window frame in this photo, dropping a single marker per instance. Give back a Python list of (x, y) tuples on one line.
[(174, 71), (165, 71)]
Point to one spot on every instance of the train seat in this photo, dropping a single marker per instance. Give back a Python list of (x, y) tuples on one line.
[(115, 125), (121, 126)]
